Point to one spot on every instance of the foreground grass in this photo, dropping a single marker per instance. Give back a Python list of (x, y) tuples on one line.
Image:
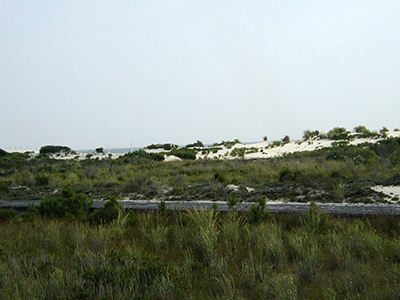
[(201, 255)]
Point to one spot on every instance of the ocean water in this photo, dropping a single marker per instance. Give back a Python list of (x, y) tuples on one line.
[(111, 150)]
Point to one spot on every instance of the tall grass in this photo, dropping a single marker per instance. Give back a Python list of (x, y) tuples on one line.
[(201, 255)]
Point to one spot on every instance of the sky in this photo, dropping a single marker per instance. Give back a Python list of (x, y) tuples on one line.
[(87, 74)]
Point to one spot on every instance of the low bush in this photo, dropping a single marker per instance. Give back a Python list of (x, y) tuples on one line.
[(338, 133), (41, 180), (100, 150), (5, 186), (308, 134), (238, 152), (258, 214), (145, 155), (3, 153), (288, 175), (76, 204), (315, 221), (228, 144), (166, 147), (6, 214), (219, 177), (285, 139), (363, 132), (359, 154), (232, 201), (184, 153), (142, 184), (197, 144), (112, 209), (50, 149)]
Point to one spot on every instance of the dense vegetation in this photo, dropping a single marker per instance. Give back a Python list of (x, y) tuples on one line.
[(200, 255), (50, 149), (162, 146), (341, 173)]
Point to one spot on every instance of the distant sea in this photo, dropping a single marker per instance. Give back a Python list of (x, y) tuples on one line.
[(109, 150), (126, 150)]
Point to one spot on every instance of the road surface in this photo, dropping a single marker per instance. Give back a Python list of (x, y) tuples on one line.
[(274, 207)]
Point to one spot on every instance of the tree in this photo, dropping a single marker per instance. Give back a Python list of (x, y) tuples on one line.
[(286, 139), (197, 144), (361, 129), (50, 149), (338, 133), (308, 134), (100, 150)]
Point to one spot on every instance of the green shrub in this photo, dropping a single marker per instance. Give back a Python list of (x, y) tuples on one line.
[(238, 152), (76, 204), (31, 213), (50, 149), (219, 177), (287, 175), (359, 154), (6, 214), (197, 144), (308, 134), (258, 214), (232, 201), (166, 147), (112, 209), (100, 150), (3, 153), (386, 148), (184, 153), (314, 220), (363, 132), (142, 183), (41, 180), (145, 155), (228, 144), (286, 139), (24, 178), (276, 143), (338, 133), (162, 208), (5, 186), (361, 129)]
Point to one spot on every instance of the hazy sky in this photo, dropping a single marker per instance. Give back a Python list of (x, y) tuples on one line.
[(107, 73)]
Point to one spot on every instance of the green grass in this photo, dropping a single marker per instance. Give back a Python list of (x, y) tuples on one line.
[(201, 255)]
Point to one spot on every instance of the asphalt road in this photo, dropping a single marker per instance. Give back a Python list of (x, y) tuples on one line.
[(278, 207)]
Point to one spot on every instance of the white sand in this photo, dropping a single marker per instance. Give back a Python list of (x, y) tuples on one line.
[(156, 150), (169, 158), (390, 191)]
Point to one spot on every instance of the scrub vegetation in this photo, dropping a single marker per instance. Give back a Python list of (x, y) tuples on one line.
[(341, 173)]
